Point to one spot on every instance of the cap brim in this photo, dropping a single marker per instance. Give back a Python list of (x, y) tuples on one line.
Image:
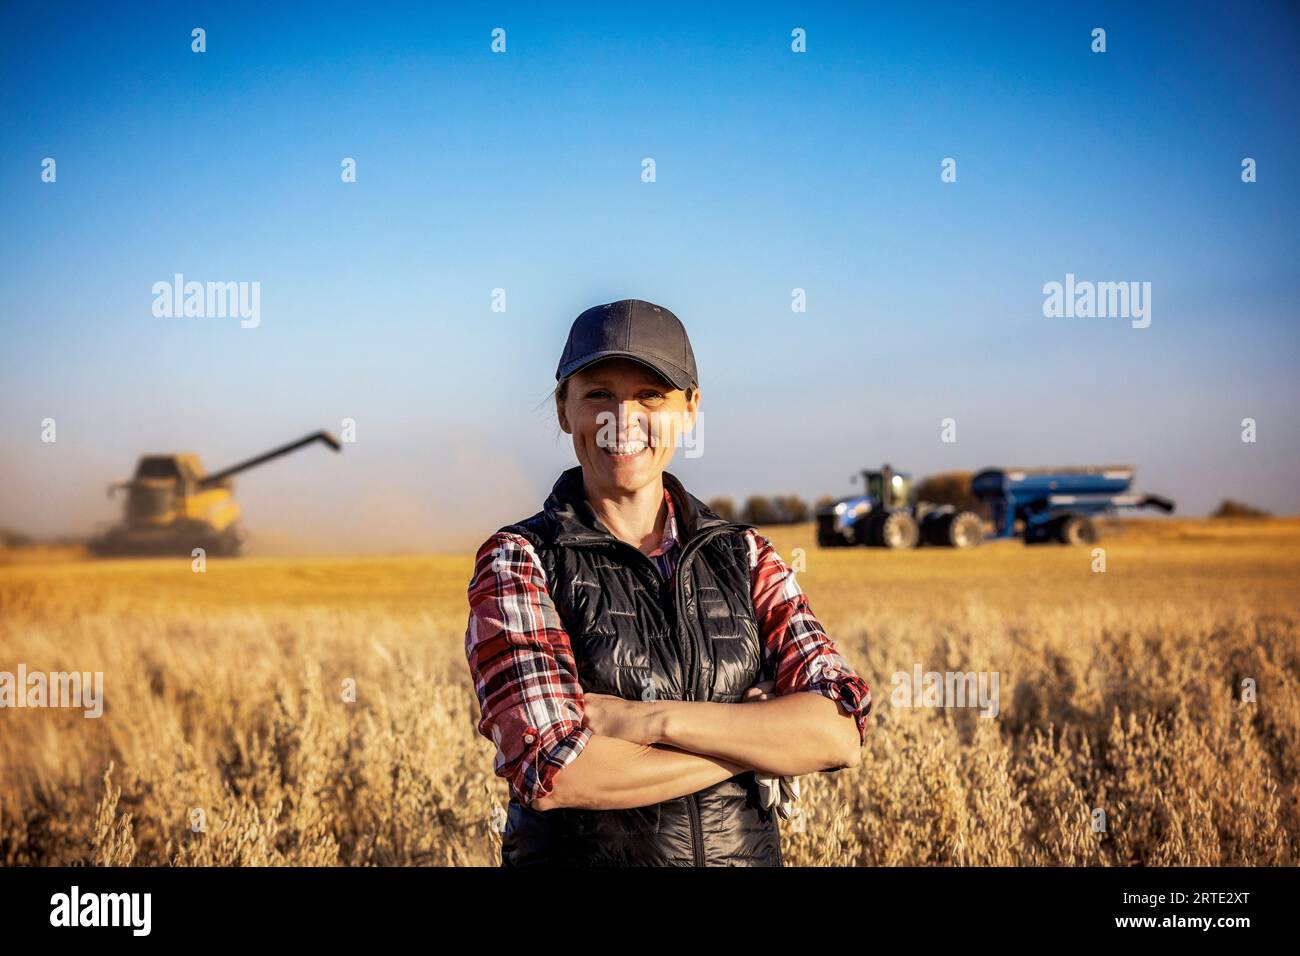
[(677, 377)]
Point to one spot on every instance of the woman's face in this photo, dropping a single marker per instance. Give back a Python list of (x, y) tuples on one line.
[(625, 421)]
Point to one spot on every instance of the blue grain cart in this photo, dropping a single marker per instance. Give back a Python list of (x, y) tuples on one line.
[(1040, 504), (1058, 504)]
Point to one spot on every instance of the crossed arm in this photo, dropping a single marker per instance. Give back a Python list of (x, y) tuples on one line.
[(561, 747), (643, 752)]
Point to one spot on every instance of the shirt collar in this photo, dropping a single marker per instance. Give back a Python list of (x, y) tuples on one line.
[(670, 529)]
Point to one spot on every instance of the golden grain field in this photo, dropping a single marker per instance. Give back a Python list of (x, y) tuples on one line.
[(1119, 692)]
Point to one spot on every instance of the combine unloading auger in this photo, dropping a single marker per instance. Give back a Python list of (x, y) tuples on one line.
[(172, 506)]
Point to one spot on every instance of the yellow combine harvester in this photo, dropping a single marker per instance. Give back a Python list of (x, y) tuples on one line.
[(172, 507)]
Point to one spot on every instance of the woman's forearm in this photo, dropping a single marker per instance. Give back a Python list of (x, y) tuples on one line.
[(615, 774), (788, 735)]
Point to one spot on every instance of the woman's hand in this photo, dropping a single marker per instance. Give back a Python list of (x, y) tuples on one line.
[(635, 720), (773, 791), (612, 716)]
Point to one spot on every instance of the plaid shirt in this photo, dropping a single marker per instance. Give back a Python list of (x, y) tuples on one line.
[(521, 659)]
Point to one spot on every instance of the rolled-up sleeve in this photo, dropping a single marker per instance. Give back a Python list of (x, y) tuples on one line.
[(521, 661), (798, 652)]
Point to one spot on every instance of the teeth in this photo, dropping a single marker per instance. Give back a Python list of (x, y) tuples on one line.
[(627, 448)]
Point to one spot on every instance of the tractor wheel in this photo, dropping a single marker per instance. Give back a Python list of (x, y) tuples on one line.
[(964, 530), (1077, 529), (827, 538), (934, 528), (866, 530), (898, 530)]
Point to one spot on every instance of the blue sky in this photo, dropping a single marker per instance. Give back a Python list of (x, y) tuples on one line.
[(522, 171)]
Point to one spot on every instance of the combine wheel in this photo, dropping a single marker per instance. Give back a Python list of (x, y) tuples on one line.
[(231, 543)]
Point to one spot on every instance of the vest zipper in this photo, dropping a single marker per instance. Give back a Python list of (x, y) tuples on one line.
[(689, 681), (690, 684), (697, 832), (680, 574)]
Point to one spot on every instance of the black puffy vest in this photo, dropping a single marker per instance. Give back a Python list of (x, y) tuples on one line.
[(693, 636)]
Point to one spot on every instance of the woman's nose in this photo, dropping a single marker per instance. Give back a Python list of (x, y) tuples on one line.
[(632, 420)]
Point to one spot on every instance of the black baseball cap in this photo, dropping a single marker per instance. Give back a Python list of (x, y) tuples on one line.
[(632, 329)]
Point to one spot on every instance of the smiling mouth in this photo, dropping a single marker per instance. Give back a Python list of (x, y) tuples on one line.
[(626, 451)]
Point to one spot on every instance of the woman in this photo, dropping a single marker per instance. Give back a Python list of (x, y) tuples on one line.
[(614, 636)]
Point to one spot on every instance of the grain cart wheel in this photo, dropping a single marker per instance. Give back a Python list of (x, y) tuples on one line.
[(1041, 533), (964, 530), (898, 530), (1077, 529)]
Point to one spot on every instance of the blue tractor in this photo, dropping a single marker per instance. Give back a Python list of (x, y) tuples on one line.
[(1058, 504), (1041, 504), (887, 515)]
